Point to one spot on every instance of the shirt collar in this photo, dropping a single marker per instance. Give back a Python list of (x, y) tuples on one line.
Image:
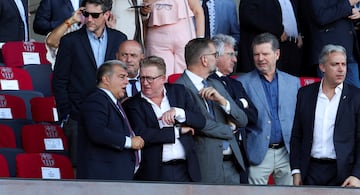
[(338, 88)]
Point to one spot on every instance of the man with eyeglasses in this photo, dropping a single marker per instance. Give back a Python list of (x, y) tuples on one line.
[(220, 158), (224, 45), (79, 56), (166, 117), (131, 53), (273, 93), (108, 147)]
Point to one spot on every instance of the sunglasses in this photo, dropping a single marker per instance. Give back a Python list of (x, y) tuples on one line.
[(93, 15)]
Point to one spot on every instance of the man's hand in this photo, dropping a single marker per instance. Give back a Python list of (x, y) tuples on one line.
[(185, 130), (297, 179), (353, 2), (210, 93), (168, 117), (355, 14), (111, 22), (351, 181), (283, 37), (137, 143)]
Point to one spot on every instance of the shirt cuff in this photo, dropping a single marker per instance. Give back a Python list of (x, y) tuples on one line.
[(295, 171), (177, 130), (226, 108), (244, 102), (180, 115), (127, 142)]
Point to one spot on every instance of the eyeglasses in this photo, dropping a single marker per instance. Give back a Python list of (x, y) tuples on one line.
[(148, 79), (231, 54), (215, 54), (93, 15)]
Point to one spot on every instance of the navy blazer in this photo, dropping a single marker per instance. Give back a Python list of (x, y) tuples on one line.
[(101, 140), (12, 26), (50, 14), (346, 131), (256, 17), (145, 123), (75, 69), (329, 24)]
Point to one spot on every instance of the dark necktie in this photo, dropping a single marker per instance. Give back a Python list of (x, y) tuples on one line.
[(134, 90), (207, 20), (137, 35), (131, 132), (209, 102)]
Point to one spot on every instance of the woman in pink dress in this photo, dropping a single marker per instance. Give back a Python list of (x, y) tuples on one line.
[(170, 26)]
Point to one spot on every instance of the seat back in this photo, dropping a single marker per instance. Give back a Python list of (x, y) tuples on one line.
[(43, 165), (173, 77), (10, 156), (7, 137), (308, 80), (41, 77), (18, 53), (26, 96), (16, 125), (43, 109), (15, 79), (4, 167), (12, 107), (37, 138)]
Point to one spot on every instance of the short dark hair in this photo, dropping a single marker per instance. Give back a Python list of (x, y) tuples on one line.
[(266, 38), (155, 61), (106, 5), (107, 69), (195, 48)]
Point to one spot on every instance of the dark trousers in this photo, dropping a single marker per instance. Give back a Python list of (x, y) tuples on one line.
[(175, 171), (71, 131), (322, 173)]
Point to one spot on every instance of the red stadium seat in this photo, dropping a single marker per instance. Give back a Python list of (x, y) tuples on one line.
[(17, 54), (173, 77), (43, 109), (12, 107), (15, 79), (4, 167), (308, 80), (43, 165), (37, 138), (7, 137)]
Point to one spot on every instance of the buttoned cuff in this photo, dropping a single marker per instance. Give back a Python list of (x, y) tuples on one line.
[(180, 115)]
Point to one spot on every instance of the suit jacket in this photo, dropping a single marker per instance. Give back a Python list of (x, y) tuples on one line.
[(346, 131), (12, 25), (210, 139), (101, 140), (145, 123), (226, 19), (329, 24), (258, 136), (256, 17), (50, 14), (75, 69)]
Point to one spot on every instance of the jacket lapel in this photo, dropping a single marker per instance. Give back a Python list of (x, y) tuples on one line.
[(86, 43)]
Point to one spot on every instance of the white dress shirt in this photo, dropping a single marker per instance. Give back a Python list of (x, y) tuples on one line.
[(288, 17), (171, 151)]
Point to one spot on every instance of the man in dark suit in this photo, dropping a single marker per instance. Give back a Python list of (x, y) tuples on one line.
[(106, 141), (332, 22), (225, 44), (51, 13), (278, 18), (325, 139), (166, 117), (79, 55), (13, 19), (218, 151)]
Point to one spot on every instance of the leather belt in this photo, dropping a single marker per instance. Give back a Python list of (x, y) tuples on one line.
[(174, 162), (276, 146), (323, 160), (227, 157), (292, 39)]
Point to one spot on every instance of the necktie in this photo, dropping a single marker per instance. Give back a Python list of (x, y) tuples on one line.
[(209, 102), (134, 90), (131, 132), (207, 20), (137, 35)]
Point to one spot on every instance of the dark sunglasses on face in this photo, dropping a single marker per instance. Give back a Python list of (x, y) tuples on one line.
[(93, 15)]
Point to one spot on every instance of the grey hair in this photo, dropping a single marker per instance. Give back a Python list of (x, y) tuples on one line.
[(329, 49), (220, 40), (107, 68)]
